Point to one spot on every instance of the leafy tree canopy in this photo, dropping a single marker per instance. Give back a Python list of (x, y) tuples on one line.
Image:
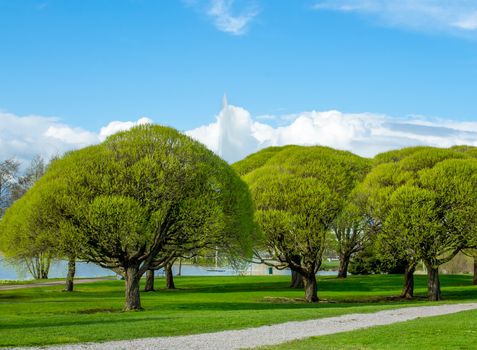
[(298, 193), (424, 202), (132, 201)]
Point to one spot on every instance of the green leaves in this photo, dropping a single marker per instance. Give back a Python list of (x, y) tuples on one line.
[(117, 225), (426, 200), (298, 193), (138, 196)]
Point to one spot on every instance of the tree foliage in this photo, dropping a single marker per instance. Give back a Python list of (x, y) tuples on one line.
[(423, 200), (352, 232), (134, 200), (26, 234), (27, 245), (298, 193)]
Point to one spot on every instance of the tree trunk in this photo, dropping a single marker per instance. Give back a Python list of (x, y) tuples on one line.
[(132, 278), (433, 283), (297, 280), (311, 295), (408, 287), (71, 274), (344, 263), (296, 277), (169, 277), (474, 281), (44, 262), (179, 271), (149, 287)]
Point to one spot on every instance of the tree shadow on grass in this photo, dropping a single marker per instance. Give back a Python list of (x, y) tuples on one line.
[(4, 297), (92, 317), (83, 322)]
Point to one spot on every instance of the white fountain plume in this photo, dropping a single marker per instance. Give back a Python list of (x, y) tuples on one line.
[(235, 137)]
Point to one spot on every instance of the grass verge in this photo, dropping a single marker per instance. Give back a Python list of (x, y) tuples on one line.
[(454, 332), (41, 316)]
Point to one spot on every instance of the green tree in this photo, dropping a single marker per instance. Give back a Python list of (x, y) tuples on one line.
[(298, 193), (135, 199), (471, 249), (26, 247), (423, 201), (351, 230), (251, 163), (26, 237)]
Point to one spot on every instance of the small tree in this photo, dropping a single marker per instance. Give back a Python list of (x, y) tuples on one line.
[(26, 236), (351, 230), (29, 244)]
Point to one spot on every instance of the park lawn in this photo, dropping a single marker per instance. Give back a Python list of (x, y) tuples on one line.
[(330, 265), (46, 315), (35, 281), (455, 331)]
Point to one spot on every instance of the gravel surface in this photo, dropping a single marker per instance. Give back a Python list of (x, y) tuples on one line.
[(275, 334)]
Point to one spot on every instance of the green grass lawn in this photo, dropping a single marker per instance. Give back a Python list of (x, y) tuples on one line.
[(40, 316), (332, 265), (455, 331)]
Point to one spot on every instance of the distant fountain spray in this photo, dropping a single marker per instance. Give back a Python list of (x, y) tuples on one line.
[(235, 132)]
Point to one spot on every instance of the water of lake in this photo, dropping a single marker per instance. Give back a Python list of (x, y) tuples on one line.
[(58, 270)]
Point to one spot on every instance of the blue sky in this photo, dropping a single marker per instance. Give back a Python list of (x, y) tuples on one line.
[(88, 63)]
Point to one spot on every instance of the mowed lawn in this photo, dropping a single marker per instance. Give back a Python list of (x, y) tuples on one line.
[(449, 332), (40, 316)]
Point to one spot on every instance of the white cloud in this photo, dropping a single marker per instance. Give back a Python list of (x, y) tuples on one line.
[(468, 22), (229, 16), (236, 134), (70, 136), (23, 137), (208, 135), (454, 15), (116, 126), (226, 21)]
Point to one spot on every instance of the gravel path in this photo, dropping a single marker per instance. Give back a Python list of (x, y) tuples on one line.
[(271, 335), (52, 283)]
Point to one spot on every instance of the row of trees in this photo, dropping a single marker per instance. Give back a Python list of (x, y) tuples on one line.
[(144, 198), (411, 205)]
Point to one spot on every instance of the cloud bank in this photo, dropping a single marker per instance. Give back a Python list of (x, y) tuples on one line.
[(23, 137), (454, 15), (235, 133)]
